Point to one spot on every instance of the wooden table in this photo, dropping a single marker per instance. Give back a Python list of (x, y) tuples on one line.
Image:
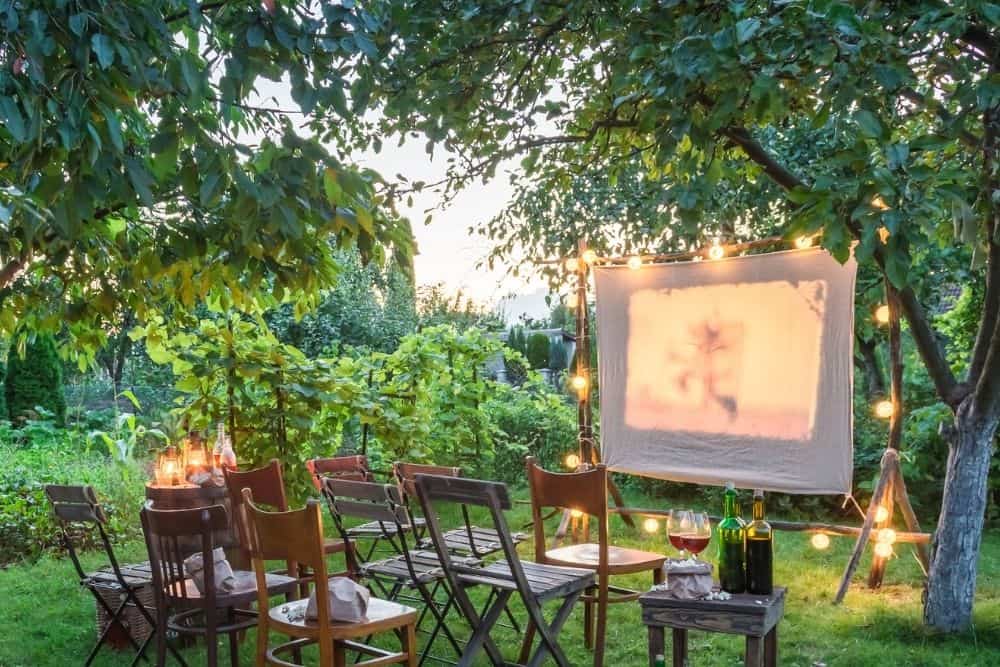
[(754, 616)]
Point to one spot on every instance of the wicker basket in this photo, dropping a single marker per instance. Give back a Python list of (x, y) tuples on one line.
[(131, 620)]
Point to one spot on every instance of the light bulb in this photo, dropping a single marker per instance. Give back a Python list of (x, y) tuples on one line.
[(883, 549), (589, 256), (651, 525), (803, 242), (578, 382), (887, 535), (576, 514), (572, 461), (884, 409), (716, 251), (572, 301), (882, 314), (820, 541), (881, 514), (572, 265), (635, 262)]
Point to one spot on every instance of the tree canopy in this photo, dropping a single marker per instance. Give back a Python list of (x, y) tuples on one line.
[(141, 166)]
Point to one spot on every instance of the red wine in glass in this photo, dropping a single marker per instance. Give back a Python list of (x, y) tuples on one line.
[(694, 543), (677, 541)]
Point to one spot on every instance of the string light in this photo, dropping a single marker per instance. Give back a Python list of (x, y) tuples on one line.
[(572, 461), (887, 536), (572, 265), (882, 314), (572, 301), (576, 514), (635, 262), (651, 526), (881, 514), (820, 541), (716, 251), (589, 256), (803, 242), (578, 382), (884, 409), (883, 549)]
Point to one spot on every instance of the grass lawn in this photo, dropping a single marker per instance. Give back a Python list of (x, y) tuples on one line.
[(46, 619)]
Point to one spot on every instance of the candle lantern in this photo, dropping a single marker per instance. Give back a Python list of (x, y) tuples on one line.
[(168, 468)]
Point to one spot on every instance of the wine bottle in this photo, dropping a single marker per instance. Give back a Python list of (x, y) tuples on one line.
[(760, 550), (732, 535), (659, 661)]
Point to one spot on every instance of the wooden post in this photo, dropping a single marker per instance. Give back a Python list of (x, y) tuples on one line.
[(585, 432)]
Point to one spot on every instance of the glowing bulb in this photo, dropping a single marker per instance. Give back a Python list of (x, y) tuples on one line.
[(883, 549), (651, 525), (589, 256), (572, 265), (884, 409), (572, 301), (635, 262), (576, 514), (881, 514), (578, 382), (803, 242), (820, 541), (716, 251), (572, 461), (887, 536), (882, 314)]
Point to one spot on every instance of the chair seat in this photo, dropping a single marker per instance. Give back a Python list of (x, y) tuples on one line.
[(620, 559), (426, 565), (485, 541), (378, 529), (290, 618), (244, 591), (545, 581)]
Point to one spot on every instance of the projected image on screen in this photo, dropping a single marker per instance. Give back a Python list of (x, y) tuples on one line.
[(735, 359)]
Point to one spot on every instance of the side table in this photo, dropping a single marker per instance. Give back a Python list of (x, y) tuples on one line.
[(754, 616)]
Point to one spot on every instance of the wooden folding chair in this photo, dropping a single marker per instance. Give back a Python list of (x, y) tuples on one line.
[(297, 537), (411, 569), (468, 539), (77, 511), (355, 469), (535, 583), (587, 492), (170, 535)]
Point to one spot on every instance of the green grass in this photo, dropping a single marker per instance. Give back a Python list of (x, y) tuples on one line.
[(46, 619)]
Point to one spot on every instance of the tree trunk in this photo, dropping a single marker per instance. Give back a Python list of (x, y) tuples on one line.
[(951, 586), (874, 379)]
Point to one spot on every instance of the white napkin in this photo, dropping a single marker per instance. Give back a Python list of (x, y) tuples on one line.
[(222, 571), (348, 601)]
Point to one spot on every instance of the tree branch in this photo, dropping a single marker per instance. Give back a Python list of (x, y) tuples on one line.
[(206, 7), (9, 272), (980, 38), (930, 103), (757, 153)]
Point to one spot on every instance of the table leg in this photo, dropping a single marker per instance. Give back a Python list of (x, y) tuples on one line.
[(771, 648), (655, 643), (680, 647), (755, 651)]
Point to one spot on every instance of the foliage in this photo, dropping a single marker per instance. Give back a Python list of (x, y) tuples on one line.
[(558, 356), (34, 379), (371, 305), (130, 176), (537, 350), (436, 305), (4, 413), (39, 453)]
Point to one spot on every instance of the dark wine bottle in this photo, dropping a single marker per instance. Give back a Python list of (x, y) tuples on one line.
[(732, 534), (760, 550)]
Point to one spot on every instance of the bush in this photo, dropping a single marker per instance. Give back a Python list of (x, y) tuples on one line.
[(538, 350), (3, 394), (558, 356), (40, 453), (35, 380)]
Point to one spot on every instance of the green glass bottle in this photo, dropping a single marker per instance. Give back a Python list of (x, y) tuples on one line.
[(760, 550), (732, 535), (659, 661)]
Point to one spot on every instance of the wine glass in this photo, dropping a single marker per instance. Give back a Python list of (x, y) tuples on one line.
[(698, 537), (679, 524)]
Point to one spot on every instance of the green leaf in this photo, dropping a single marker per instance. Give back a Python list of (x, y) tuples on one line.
[(114, 128), (141, 180), (13, 120), (104, 48), (746, 29), (868, 123)]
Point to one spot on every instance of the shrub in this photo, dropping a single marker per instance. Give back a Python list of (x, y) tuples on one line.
[(538, 350), (35, 380), (558, 356), (3, 394), (40, 453)]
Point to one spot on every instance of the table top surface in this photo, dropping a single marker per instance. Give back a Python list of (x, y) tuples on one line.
[(739, 602)]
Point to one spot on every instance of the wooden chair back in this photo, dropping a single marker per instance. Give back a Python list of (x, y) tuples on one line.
[(367, 501), (354, 468), (170, 535), (405, 475), (585, 492), (77, 511), (268, 487), (293, 536)]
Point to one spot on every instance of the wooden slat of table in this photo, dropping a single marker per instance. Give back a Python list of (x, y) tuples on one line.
[(742, 614)]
